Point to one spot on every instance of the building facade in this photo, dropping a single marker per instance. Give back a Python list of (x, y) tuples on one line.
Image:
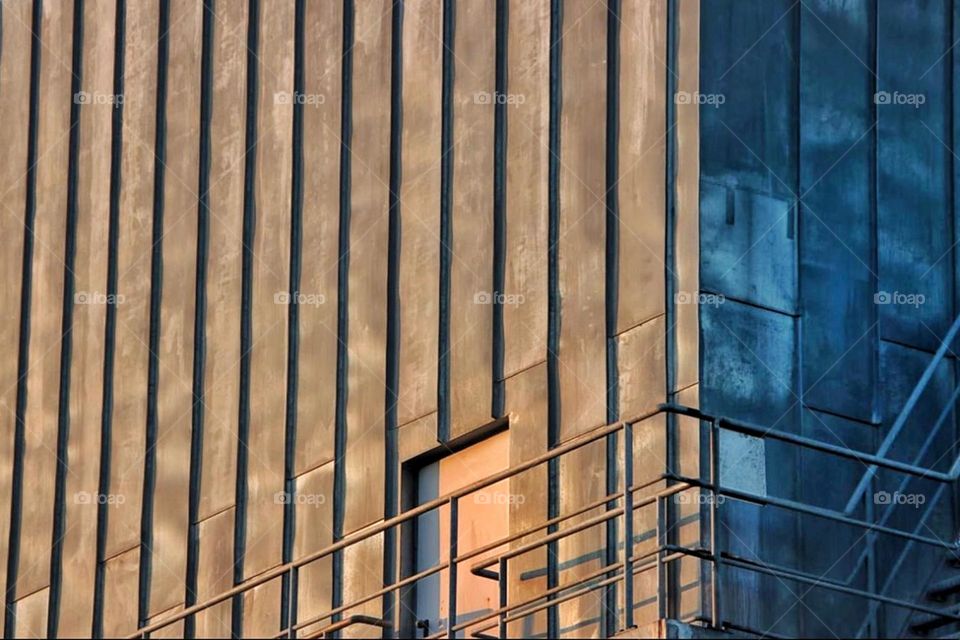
[(553, 318)]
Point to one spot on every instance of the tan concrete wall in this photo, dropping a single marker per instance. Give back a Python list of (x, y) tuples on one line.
[(143, 503)]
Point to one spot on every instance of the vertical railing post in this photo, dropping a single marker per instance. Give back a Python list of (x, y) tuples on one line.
[(717, 586), (670, 519), (661, 566), (705, 524), (870, 515), (452, 587), (503, 597), (292, 603), (628, 525)]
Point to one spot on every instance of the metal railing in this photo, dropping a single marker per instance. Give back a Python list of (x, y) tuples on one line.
[(618, 507)]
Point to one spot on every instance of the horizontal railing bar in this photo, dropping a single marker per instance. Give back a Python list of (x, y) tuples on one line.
[(444, 565), (905, 412), (759, 431), (572, 445), (367, 598), (586, 524), (814, 511), (616, 568), (816, 582), (349, 622), (843, 452), (637, 569)]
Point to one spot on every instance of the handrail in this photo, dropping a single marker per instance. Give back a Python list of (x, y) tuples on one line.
[(904, 413), (278, 571), (676, 484)]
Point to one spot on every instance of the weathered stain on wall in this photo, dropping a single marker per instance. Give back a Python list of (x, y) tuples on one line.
[(252, 252)]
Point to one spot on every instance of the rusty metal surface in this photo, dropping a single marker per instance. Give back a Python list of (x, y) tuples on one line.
[(642, 149), (261, 613), (31, 613), (86, 371), (643, 367), (471, 218), (168, 560), (640, 333), (419, 209), (316, 400), (221, 373), (271, 264), (582, 351), (582, 482), (314, 514), (369, 225), (687, 264), (215, 572), (128, 439), (526, 192), (47, 273), (363, 574), (526, 403), (120, 582), (15, 113)]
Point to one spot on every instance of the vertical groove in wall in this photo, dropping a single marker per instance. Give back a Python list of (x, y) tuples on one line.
[(553, 302), (249, 226), (612, 283), (346, 131), (670, 260), (671, 197), (954, 167), (288, 599), (66, 334), (446, 235), (23, 356), (499, 203), (110, 329), (392, 475), (156, 294), (200, 313)]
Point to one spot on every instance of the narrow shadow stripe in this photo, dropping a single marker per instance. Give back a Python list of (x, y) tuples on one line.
[(66, 332), (23, 356), (391, 494), (110, 330), (156, 298), (200, 313), (288, 595), (246, 319), (343, 271)]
